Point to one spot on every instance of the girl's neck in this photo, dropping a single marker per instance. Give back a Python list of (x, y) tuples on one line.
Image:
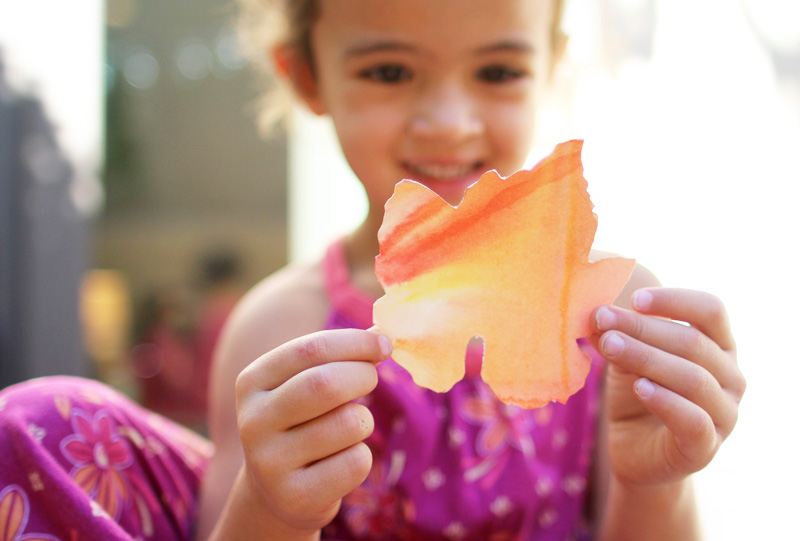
[(361, 248)]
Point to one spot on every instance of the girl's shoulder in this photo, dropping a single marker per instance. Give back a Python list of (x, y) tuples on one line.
[(291, 302), (288, 304)]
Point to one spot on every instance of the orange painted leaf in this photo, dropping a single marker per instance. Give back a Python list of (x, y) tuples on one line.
[(509, 264)]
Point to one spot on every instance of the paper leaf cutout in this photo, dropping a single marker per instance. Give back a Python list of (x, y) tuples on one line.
[(509, 264)]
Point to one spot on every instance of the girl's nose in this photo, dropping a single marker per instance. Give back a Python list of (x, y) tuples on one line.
[(446, 112)]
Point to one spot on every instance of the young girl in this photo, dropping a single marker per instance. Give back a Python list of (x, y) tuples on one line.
[(315, 435), (317, 432)]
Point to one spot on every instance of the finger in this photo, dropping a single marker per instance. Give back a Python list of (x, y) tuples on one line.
[(692, 429), (318, 390), (279, 365), (330, 479), (675, 338), (701, 310), (684, 378), (327, 434)]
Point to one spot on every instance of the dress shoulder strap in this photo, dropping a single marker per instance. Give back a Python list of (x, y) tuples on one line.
[(346, 299)]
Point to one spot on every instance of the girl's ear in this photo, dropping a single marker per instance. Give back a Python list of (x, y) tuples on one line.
[(296, 69)]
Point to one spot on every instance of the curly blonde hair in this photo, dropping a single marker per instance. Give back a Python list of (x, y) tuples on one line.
[(264, 24)]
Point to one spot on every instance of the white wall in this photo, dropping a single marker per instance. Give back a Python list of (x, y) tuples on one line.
[(326, 200), (54, 50), (692, 161)]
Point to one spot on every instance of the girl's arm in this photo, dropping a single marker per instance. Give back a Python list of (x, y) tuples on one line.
[(263, 376), (621, 512), (672, 395), (663, 513)]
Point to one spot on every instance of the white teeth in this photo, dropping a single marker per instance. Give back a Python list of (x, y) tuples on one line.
[(436, 171)]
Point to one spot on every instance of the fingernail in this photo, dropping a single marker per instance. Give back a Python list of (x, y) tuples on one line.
[(612, 344), (605, 318), (642, 300), (386, 345), (644, 388)]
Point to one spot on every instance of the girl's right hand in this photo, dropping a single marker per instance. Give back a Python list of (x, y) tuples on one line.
[(301, 434)]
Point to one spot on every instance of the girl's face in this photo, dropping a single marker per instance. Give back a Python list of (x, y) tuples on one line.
[(438, 91)]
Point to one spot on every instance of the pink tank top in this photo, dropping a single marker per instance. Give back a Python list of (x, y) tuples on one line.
[(462, 465)]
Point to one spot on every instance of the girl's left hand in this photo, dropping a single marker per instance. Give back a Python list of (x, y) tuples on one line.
[(672, 389)]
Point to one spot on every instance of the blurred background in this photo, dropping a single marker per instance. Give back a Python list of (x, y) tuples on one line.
[(141, 200), (138, 201)]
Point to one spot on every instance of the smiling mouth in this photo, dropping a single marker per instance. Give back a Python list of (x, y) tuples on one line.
[(442, 172)]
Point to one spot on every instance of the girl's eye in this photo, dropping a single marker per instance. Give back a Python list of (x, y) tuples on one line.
[(387, 73), (499, 74)]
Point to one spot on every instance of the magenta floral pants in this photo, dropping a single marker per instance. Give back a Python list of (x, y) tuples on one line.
[(81, 462)]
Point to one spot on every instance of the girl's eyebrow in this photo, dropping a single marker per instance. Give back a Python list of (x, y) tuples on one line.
[(369, 46), (519, 46)]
